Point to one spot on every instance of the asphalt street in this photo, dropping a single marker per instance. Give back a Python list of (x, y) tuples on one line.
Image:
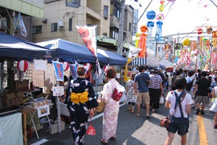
[(133, 130)]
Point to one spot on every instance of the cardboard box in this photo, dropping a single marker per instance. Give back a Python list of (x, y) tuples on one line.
[(9, 99), (19, 98), (22, 86)]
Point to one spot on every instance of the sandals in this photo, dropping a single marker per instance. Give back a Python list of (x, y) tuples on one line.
[(103, 142), (113, 138)]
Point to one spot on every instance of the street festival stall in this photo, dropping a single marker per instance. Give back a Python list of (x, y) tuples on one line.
[(12, 49), (27, 50), (69, 51)]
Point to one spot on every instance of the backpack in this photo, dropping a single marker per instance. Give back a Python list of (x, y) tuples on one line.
[(189, 86)]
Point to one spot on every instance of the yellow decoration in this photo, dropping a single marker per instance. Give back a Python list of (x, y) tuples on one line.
[(126, 70), (186, 42), (137, 35), (79, 97)]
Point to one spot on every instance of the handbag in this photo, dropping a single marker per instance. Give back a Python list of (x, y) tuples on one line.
[(91, 130), (161, 100), (101, 105), (165, 122), (116, 95)]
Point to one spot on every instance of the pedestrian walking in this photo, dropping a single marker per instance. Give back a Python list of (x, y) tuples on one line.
[(131, 94), (142, 81), (180, 100), (81, 103), (155, 90), (111, 110), (201, 91)]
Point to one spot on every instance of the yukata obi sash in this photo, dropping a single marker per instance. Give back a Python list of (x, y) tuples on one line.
[(79, 97)]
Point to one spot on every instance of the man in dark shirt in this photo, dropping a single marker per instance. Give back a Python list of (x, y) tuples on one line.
[(202, 90), (142, 80)]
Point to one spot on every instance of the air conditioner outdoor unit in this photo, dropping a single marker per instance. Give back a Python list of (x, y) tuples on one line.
[(60, 23)]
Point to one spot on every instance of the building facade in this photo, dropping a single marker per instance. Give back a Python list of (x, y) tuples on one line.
[(62, 16)]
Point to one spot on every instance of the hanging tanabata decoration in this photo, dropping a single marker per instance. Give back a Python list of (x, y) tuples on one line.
[(23, 65), (209, 29), (199, 31), (151, 15), (186, 42), (142, 41), (150, 26), (158, 34)]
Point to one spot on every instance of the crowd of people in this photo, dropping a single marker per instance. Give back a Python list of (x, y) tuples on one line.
[(182, 90)]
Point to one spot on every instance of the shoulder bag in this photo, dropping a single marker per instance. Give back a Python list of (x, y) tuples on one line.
[(164, 122)]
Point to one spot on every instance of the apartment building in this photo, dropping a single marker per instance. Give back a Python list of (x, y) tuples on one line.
[(62, 16), (9, 10)]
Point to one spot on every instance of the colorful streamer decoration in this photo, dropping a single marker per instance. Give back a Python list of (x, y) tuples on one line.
[(150, 26), (158, 34), (142, 41)]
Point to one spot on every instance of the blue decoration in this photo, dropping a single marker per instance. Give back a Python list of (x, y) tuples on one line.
[(150, 25), (151, 15), (158, 34)]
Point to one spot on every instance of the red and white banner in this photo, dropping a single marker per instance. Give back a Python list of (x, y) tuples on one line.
[(88, 35)]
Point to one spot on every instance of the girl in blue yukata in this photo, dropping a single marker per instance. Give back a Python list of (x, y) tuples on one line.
[(81, 102)]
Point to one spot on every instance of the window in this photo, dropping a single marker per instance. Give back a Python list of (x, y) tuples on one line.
[(116, 12), (130, 27), (73, 3), (105, 13), (37, 29), (54, 27), (70, 24)]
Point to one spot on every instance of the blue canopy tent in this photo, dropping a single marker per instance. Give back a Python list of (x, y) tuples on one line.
[(70, 51), (113, 58), (16, 48)]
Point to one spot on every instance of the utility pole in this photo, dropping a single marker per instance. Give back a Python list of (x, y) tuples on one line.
[(121, 28)]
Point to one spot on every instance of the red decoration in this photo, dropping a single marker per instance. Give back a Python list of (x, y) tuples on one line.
[(199, 31), (23, 65), (65, 66)]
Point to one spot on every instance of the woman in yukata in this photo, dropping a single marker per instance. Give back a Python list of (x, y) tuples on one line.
[(110, 118), (81, 102)]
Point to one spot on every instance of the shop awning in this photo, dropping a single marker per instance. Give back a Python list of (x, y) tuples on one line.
[(14, 47), (70, 51), (113, 58), (23, 7)]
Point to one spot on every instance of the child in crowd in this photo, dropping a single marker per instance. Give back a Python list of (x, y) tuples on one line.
[(131, 95)]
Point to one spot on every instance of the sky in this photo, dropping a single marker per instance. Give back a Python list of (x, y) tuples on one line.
[(182, 16)]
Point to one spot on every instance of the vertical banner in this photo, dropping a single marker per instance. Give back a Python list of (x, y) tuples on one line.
[(58, 68), (22, 27), (73, 68), (88, 35)]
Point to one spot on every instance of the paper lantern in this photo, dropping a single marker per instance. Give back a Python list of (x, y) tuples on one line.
[(199, 31), (209, 29), (65, 66), (151, 15), (186, 42), (23, 65)]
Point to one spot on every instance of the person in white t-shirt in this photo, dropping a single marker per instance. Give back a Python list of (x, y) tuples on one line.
[(180, 120)]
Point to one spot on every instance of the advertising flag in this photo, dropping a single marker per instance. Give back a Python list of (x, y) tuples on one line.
[(21, 25), (88, 35), (58, 68)]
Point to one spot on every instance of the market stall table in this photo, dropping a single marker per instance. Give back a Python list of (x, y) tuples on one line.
[(32, 112)]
